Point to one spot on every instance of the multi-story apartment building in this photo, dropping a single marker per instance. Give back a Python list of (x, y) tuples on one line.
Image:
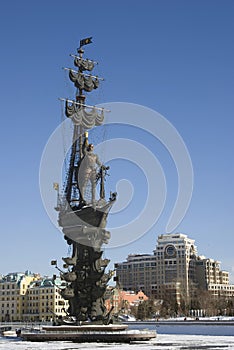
[(137, 273), (13, 290), (29, 297), (210, 277), (171, 266), (175, 261), (43, 300), (174, 268)]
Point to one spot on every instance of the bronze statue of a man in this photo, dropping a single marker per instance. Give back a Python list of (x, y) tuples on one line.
[(88, 171)]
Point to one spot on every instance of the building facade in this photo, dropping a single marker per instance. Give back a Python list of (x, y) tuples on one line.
[(29, 297), (137, 273), (175, 260), (210, 277), (13, 292), (175, 269), (44, 301), (121, 302)]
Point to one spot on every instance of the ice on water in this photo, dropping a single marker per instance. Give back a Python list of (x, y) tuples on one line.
[(163, 342)]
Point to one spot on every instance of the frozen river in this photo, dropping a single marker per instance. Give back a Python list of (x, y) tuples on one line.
[(162, 342), (206, 337)]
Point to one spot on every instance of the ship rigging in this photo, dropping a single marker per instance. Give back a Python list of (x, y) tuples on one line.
[(83, 220)]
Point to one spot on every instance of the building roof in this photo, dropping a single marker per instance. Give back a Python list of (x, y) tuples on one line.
[(132, 297)]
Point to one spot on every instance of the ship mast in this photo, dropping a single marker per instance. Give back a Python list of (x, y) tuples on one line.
[(84, 117), (77, 142), (80, 98), (83, 223)]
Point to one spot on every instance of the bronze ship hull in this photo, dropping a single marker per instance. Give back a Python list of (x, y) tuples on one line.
[(86, 216)]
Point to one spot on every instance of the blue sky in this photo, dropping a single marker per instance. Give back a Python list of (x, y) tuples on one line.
[(175, 57)]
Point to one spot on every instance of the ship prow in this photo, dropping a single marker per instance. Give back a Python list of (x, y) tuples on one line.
[(92, 215), (86, 224)]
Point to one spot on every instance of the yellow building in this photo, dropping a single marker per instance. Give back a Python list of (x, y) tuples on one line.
[(44, 302), (29, 297), (13, 290)]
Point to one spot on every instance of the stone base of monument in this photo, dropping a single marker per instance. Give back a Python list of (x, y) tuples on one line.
[(88, 333)]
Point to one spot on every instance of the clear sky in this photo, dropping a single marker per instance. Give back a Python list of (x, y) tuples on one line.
[(175, 57)]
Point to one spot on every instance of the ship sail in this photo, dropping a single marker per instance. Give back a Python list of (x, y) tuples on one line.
[(87, 83), (83, 64), (80, 115)]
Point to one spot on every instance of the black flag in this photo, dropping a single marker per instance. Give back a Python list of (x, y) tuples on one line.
[(53, 262), (85, 41)]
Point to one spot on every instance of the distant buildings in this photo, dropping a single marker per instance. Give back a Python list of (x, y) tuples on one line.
[(174, 268), (29, 297), (174, 275)]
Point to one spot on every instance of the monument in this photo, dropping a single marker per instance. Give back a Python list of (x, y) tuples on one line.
[(83, 219)]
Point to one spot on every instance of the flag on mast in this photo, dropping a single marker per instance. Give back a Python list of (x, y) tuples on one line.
[(85, 41), (56, 186), (53, 262)]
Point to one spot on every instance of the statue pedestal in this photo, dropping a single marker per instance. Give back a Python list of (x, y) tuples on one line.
[(89, 333)]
